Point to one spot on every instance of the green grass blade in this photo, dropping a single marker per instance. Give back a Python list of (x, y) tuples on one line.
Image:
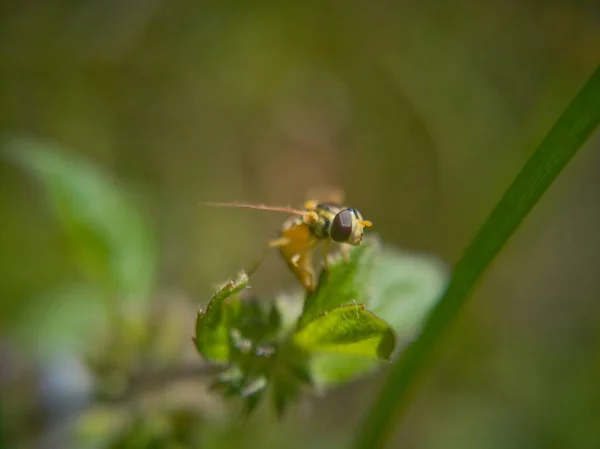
[(561, 143)]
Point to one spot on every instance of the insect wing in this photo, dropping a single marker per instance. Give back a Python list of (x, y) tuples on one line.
[(330, 195)]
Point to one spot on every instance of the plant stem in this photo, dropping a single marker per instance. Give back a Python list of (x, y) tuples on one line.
[(561, 143)]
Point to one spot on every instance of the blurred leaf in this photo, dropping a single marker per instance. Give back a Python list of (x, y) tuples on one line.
[(562, 142), (404, 286), (100, 426), (345, 283), (159, 429), (113, 242), (68, 319), (348, 329)]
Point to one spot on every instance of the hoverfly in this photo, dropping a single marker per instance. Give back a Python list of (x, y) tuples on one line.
[(318, 222)]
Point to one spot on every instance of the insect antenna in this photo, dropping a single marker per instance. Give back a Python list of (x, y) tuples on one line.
[(287, 210)]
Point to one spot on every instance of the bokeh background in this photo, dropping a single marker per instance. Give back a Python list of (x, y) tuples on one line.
[(422, 112)]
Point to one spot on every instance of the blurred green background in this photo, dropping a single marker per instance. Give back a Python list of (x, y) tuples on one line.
[(423, 113)]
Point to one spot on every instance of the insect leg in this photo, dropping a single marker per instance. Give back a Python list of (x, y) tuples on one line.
[(325, 253), (345, 250), (296, 257), (276, 243)]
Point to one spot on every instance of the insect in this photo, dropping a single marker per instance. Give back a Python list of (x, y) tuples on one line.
[(318, 222)]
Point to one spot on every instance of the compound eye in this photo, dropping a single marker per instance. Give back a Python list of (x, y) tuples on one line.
[(341, 228)]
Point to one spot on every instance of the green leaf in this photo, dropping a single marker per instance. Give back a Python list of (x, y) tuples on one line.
[(333, 369), (213, 339), (561, 143), (253, 393), (282, 371), (113, 243), (236, 330), (348, 329), (288, 377), (346, 282), (403, 286)]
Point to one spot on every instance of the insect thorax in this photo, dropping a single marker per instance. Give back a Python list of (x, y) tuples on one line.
[(326, 213), (321, 228)]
